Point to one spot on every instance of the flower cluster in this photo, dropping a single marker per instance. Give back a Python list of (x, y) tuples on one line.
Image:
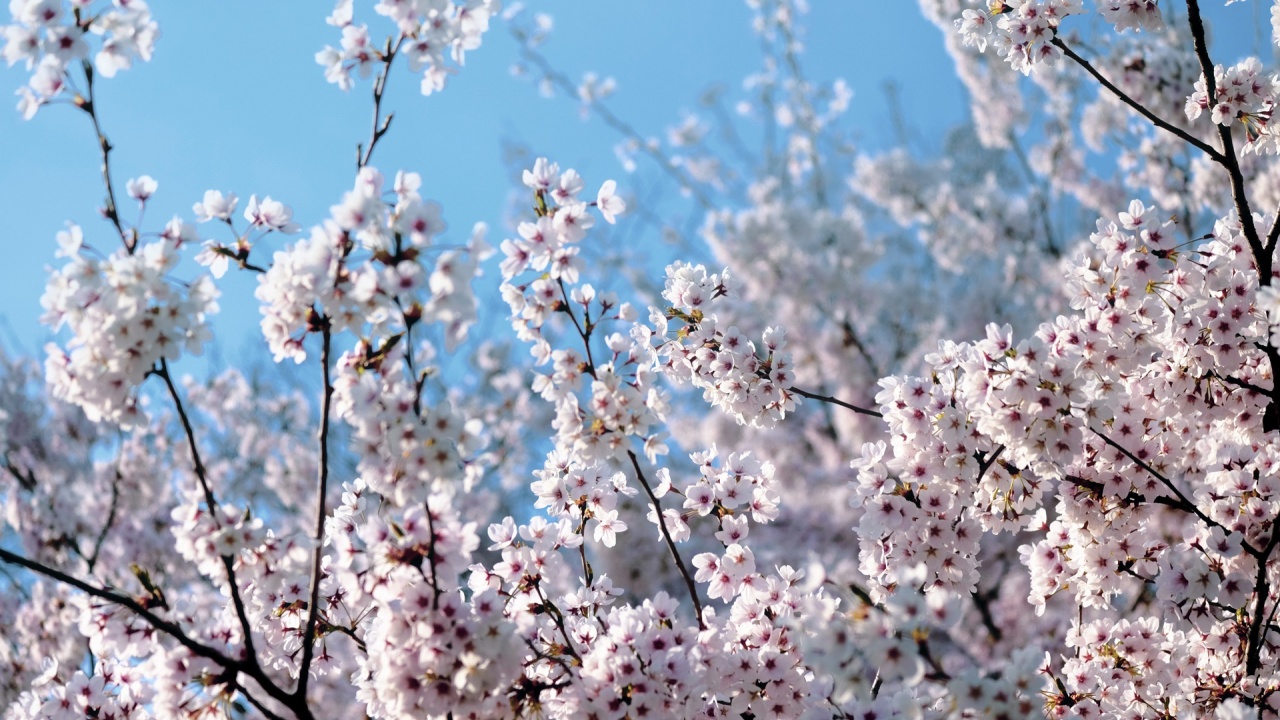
[(48, 36), (1241, 92), (1115, 406), (1021, 31), (723, 363), (323, 281), (1135, 14), (432, 647), (1075, 518), (428, 33), (111, 691), (126, 314), (622, 403), (404, 448)]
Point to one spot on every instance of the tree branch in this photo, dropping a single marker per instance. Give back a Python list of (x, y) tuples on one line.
[(92, 560), (1178, 502), (1139, 107), (111, 211), (1228, 156), (1262, 589), (228, 563), (380, 125), (250, 669), (666, 534), (835, 401), (322, 487)]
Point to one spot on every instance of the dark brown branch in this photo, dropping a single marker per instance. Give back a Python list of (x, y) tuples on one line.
[(248, 668), (849, 337), (835, 401), (202, 476), (982, 601), (986, 461), (936, 673), (431, 555), (1273, 235), (1228, 156), (262, 708), (558, 618), (92, 560), (1139, 107), (322, 488), (1180, 503), (1261, 588), (666, 534), (1239, 383), (582, 552), (1184, 502)]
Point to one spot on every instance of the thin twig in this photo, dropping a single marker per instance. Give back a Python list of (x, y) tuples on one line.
[(431, 555), (558, 618), (92, 560), (666, 534), (584, 333), (1183, 502), (1041, 194), (202, 476), (807, 123), (380, 125), (566, 85), (111, 211), (835, 401)]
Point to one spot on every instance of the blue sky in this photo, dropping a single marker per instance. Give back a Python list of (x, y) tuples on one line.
[(233, 100)]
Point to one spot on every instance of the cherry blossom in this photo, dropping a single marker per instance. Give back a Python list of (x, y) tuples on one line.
[(991, 434)]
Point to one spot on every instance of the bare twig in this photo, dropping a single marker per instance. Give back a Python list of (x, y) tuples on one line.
[(92, 560), (835, 401), (364, 153), (566, 85), (666, 534), (558, 618), (111, 211)]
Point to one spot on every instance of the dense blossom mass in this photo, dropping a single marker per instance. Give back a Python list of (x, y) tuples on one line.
[(989, 435)]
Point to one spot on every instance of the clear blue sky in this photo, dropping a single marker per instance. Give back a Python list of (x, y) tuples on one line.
[(233, 100)]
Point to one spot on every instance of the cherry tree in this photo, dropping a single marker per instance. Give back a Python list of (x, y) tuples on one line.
[(992, 434)]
